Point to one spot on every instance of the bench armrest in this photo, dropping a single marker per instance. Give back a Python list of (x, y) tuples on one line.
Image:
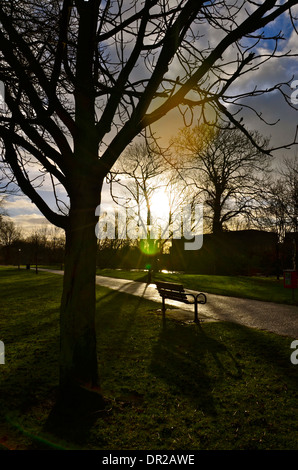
[(195, 298)]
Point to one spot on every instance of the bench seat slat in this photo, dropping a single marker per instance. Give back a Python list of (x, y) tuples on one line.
[(174, 296)]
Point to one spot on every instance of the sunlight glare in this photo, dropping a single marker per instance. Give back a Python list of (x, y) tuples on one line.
[(160, 206)]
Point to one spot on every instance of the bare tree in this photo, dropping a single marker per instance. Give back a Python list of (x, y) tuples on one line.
[(146, 183), (289, 179), (82, 80), (9, 232), (271, 212), (139, 172), (278, 205), (144, 187), (225, 169)]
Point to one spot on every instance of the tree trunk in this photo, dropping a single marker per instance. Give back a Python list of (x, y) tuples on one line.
[(78, 355), (216, 222)]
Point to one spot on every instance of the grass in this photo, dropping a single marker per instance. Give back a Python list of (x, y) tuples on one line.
[(251, 287), (167, 386)]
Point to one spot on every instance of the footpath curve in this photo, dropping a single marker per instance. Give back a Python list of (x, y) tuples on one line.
[(277, 318)]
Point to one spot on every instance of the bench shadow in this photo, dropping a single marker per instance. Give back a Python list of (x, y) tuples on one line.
[(180, 357)]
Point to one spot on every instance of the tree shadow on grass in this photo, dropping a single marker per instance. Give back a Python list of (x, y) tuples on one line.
[(72, 418), (181, 358), (270, 350)]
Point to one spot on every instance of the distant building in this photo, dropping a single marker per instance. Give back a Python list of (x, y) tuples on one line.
[(244, 252)]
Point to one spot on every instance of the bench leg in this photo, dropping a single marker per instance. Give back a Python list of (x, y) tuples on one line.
[(196, 311), (163, 306)]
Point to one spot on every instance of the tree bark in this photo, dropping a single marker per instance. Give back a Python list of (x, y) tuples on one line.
[(78, 355)]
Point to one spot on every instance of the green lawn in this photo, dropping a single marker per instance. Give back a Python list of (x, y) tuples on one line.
[(167, 386), (260, 288)]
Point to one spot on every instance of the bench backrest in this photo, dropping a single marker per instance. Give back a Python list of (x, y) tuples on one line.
[(171, 290)]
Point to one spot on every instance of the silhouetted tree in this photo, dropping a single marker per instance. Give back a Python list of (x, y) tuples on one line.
[(9, 232), (225, 169), (82, 80), (289, 180), (278, 204)]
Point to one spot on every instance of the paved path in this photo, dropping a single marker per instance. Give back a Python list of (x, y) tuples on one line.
[(277, 318)]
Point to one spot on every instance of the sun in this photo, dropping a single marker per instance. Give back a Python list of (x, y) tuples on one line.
[(160, 205)]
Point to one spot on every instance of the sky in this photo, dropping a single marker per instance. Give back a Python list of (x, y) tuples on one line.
[(28, 218)]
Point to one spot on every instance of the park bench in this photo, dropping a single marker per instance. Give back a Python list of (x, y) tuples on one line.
[(174, 291)]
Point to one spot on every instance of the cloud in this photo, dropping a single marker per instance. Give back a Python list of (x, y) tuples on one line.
[(272, 107), (24, 214), (16, 205), (29, 222)]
